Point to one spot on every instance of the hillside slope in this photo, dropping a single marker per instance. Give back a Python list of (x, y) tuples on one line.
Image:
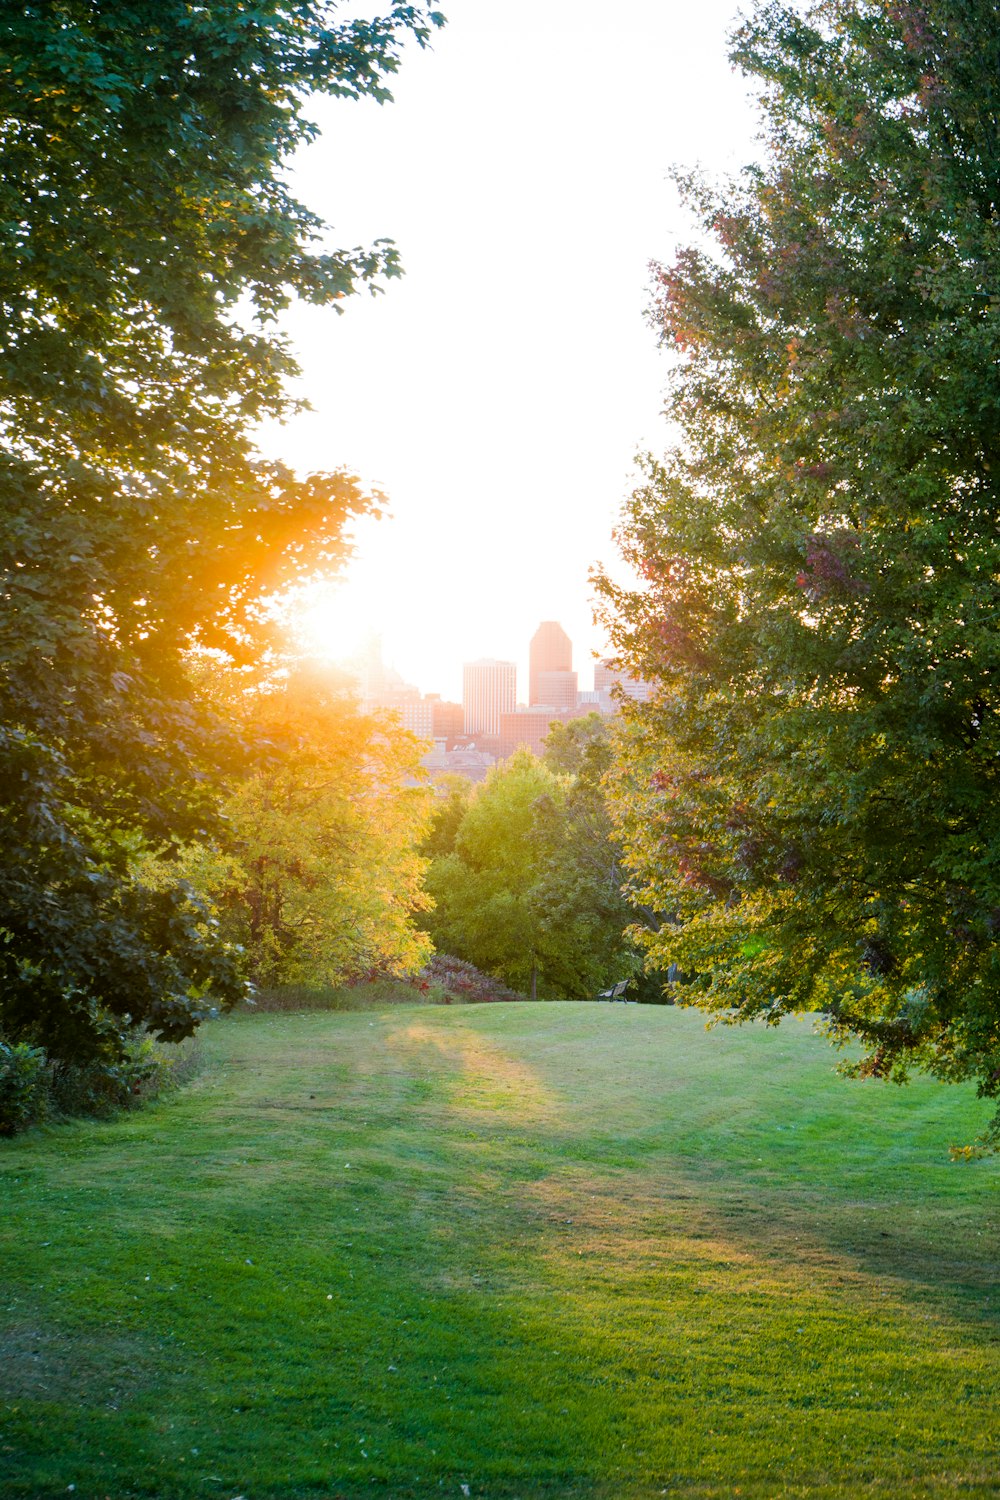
[(551, 1250)]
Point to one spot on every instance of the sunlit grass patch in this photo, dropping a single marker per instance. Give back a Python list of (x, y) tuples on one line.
[(478, 1075), (534, 1250)]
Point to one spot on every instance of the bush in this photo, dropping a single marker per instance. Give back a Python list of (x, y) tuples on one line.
[(24, 1086), (33, 1088), (462, 981), (442, 981), (382, 990), (106, 1086)]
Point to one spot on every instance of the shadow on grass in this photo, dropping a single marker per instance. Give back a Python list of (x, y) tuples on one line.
[(397, 1271), (418, 1327)]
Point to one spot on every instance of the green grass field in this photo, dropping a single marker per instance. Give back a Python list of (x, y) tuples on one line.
[(508, 1250)]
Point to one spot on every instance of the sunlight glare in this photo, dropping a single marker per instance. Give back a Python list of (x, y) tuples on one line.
[(327, 623)]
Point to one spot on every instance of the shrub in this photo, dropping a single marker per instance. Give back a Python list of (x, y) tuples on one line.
[(24, 1086), (462, 981), (105, 1086), (442, 981), (33, 1088), (385, 989)]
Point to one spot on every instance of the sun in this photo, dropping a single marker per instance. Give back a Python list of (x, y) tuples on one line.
[(326, 619)]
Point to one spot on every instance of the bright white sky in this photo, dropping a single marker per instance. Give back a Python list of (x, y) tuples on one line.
[(499, 391)]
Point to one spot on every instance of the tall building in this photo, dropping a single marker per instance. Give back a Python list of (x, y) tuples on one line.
[(449, 718), (418, 717), (551, 651), (608, 675), (557, 690), (489, 689), (370, 670), (382, 687)]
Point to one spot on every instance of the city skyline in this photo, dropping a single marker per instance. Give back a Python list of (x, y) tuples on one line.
[(490, 723), (491, 686), (498, 392), (373, 647)]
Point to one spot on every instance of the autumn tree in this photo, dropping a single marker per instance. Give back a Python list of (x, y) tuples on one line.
[(813, 791), (320, 881), (148, 242)]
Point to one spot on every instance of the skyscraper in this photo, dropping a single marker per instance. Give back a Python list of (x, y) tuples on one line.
[(557, 690), (489, 689), (551, 651), (608, 675)]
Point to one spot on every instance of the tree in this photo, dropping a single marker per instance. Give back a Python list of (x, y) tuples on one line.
[(524, 894), (321, 878), (451, 803), (812, 793), (584, 750), (579, 747), (148, 241)]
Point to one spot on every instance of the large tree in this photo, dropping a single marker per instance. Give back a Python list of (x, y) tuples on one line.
[(321, 879), (529, 889), (812, 796), (148, 241)]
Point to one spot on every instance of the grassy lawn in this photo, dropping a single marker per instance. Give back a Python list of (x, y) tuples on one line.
[(508, 1250)]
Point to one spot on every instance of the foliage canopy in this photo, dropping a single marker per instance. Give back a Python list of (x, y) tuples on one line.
[(813, 793), (530, 888), (148, 241)]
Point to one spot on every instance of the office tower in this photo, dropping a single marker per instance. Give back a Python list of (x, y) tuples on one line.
[(557, 690), (551, 651), (449, 718), (608, 675), (489, 689), (369, 669), (418, 717)]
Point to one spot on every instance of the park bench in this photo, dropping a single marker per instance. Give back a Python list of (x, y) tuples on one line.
[(616, 992)]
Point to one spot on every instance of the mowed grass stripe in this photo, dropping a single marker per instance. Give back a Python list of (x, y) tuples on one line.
[(560, 1250)]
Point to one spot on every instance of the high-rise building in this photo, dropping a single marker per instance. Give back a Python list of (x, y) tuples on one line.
[(489, 689), (556, 690), (418, 717), (449, 718), (608, 675), (382, 687), (551, 651)]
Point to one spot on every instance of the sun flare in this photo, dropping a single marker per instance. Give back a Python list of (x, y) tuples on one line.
[(327, 620)]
